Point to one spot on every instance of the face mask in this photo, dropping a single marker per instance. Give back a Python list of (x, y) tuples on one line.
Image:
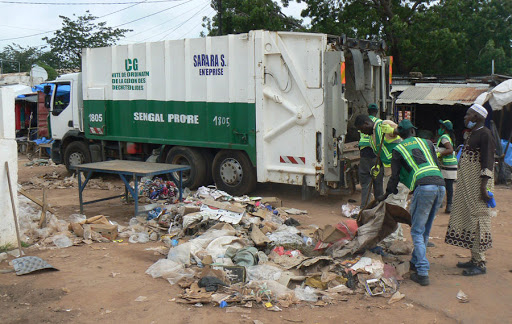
[(471, 124), (440, 131)]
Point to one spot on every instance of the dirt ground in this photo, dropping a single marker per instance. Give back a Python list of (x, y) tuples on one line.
[(84, 290)]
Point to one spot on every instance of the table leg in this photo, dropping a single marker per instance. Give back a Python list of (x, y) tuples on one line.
[(79, 174), (82, 187)]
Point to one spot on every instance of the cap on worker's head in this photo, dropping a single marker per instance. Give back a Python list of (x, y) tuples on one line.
[(373, 106), (405, 125), (479, 109), (447, 124)]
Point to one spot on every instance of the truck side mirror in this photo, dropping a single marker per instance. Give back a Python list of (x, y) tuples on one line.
[(47, 100), (47, 89)]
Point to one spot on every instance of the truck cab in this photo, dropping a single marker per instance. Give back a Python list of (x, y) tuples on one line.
[(65, 104)]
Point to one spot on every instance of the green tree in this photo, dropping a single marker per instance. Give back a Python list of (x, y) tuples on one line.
[(486, 26), (241, 16), (26, 56), (434, 37), (83, 32), (390, 20)]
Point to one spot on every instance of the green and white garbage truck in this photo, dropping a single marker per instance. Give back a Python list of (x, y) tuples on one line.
[(239, 109)]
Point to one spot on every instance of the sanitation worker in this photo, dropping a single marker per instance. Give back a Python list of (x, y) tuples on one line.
[(367, 161), (414, 163), (447, 158), (384, 131)]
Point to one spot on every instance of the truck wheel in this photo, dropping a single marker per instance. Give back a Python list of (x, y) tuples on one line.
[(192, 157), (233, 172), (76, 153)]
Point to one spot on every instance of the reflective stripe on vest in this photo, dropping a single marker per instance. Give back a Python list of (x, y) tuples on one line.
[(418, 171), (447, 159), (385, 154)]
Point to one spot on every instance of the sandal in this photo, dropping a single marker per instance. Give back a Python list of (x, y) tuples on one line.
[(474, 271)]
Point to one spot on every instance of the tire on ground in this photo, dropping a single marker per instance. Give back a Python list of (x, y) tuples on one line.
[(193, 158), (233, 172), (76, 153)]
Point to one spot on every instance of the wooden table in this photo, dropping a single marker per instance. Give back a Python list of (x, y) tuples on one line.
[(134, 169)]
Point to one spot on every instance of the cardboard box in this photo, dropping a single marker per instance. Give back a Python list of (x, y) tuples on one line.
[(272, 201), (109, 231)]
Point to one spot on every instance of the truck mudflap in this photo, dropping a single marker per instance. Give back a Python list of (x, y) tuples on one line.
[(56, 154)]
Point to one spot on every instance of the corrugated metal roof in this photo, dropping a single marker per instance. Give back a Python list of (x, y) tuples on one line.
[(440, 95)]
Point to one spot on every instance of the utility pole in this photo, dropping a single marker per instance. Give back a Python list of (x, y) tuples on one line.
[(220, 16)]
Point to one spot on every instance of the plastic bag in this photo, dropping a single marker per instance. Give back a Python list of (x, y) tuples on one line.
[(263, 272), (180, 253), (163, 267), (349, 210), (217, 247), (270, 287), (170, 270), (306, 294), (139, 238), (77, 218), (62, 241), (283, 237)]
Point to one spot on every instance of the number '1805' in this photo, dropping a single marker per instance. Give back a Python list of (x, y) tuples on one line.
[(95, 117), (221, 121)]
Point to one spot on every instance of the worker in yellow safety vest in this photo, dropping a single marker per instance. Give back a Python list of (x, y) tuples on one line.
[(414, 163), (447, 158), (367, 161)]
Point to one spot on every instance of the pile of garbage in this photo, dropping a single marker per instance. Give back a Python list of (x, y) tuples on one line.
[(248, 251)]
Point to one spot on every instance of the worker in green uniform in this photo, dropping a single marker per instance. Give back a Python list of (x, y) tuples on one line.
[(414, 163), (383, 131), (367, 161), (447, 158)]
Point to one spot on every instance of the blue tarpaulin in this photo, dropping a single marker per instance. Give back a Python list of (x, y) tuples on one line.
[(508, 156)]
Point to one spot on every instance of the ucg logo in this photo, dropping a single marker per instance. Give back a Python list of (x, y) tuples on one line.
[(130, 64)]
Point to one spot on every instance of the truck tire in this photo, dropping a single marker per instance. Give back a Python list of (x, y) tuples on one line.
[(76, 153), (233, 172), (192, 157)]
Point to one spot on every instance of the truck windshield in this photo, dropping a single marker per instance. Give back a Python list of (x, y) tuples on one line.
[(62, 98)]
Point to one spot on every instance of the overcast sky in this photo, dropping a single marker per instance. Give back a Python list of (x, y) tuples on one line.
[(177, 19)]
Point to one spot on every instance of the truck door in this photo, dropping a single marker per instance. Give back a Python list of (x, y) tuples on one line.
[(61, 118), (335, 126)]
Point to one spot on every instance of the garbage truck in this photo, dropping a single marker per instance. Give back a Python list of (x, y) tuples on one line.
[(238, 109)]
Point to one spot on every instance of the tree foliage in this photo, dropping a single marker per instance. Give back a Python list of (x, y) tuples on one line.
[(241, 16), (27, 56), (451, 37), (83, 32), (16, 53), (435, 37)]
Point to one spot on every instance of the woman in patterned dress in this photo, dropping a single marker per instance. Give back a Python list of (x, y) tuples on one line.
[(470, 219)]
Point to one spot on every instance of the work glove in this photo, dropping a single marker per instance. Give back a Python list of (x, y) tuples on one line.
[(387, 129), (375, 171), (438, 155)]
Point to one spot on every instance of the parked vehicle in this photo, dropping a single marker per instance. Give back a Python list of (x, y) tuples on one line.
[(239, 109)]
